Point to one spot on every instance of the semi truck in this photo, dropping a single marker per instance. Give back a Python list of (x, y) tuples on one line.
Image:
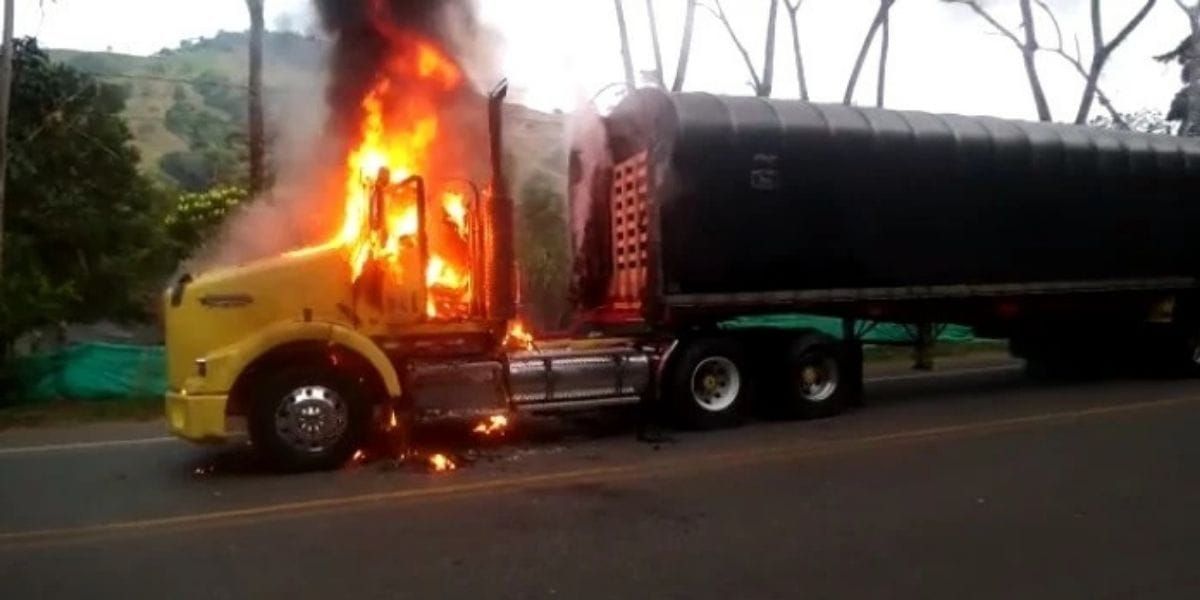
[(1069, 241)]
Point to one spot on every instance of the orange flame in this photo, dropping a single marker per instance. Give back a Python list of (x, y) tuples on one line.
[(494, 424), (455, 208), (399, 130), (440, 462), (517, 337)]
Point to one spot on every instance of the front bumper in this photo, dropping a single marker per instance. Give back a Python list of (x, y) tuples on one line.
[(197, 417)]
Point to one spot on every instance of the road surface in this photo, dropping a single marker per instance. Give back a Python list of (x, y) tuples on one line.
[(972, 484)]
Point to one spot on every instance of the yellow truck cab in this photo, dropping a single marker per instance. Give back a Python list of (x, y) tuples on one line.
[(233, 332), (313, 346)]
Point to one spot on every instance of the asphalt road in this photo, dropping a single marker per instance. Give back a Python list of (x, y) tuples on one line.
[(977, 484)]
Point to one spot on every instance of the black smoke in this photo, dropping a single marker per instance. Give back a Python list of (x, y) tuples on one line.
[(365, 35)]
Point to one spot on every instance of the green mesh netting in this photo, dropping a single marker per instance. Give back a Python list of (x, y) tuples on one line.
[(92, 372), (875, 333)]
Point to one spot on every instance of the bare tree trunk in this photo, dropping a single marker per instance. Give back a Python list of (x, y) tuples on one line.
[(6, 72), (760, 85), (257, 128), (685, 47), (1190, 125), (792, 19), (1029, 56), (876, 23), (1101, 53), (1075, 61), (884, 43), (719, 13), (630, 82), (1028, 49), (659, 76), (768, 78)]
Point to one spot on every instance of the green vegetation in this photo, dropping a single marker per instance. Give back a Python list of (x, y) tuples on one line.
[(83, 234), (62, 412), (187, 106), (88, 237), (542, 252), (197, 216)]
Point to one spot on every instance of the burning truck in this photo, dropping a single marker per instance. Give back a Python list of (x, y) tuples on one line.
[(1058, 237)]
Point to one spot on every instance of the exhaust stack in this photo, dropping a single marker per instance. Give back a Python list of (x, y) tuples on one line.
[(501, 292)]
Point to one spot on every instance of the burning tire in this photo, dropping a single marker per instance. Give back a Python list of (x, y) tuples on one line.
[(306, 419), (709, 384), (820, 382)]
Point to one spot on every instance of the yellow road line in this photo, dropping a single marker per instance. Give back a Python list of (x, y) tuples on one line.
[(682, 465)]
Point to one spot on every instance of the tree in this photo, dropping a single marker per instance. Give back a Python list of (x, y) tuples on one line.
[(659, 77), (257, 143), (543, 252), (626, 57), (85, 236), (1076, 61), (6, 60), (1185, 107), (881, 18), (885, 43), (196, 217), (763, 84), (1027, 45), (685, 47), (1101, 51), (1144, 121), (793, 8)]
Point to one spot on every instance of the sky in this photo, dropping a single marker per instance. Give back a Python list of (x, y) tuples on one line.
[(560, 53)]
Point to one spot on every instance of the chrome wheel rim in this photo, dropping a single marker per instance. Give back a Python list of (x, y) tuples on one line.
[(311, 418), (715, 384), (817, 379)]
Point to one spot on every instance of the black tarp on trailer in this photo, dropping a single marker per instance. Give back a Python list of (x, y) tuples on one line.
[(789, 202)]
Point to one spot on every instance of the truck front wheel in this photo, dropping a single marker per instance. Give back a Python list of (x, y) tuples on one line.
[(305, 419), (709, 383)]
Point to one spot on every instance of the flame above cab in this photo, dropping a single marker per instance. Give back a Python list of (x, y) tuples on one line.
[(399, 137)]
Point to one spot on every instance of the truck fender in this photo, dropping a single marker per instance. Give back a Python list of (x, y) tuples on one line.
[(228, 364), (370, 351)]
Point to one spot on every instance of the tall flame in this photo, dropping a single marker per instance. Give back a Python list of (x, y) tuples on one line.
[(399, 130)]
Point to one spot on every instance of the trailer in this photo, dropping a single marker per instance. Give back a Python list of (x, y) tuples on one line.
[(1061, 238)]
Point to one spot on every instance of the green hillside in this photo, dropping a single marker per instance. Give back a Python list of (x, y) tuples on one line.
[(187, 106)]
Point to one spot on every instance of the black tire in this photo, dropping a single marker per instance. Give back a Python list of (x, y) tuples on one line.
[(709, 383), (822, 379), (276, 410), (1183, 353)]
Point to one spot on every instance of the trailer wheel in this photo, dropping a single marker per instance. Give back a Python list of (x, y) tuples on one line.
[(1187, 357), (709, 384), (305, 419), (821, 383)]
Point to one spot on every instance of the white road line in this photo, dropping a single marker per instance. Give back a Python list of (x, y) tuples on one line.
[(47, 448), (84, 445), (954, 373)]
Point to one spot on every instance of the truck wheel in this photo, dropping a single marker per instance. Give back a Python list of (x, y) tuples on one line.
[(1187, 357), (710, 385), (820, 382), (306, 419)]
